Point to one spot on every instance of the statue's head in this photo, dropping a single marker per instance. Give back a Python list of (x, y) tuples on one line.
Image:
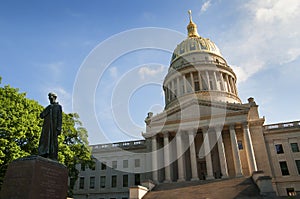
[(52, 97)]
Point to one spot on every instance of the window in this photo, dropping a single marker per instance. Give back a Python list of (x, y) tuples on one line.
[(114, 164), (102, 181), (291, 192), (188, 82), (125, 163), (92, 182), (125, 180), (137, 162), (103, 166), (113, 181), (175, 88), (193, 46), (240, 145), (284, 168), (137, 179), (295, 147), (298, 165), (81, 183), (181, 50), (279, 148), (196, 81), (72, 181)]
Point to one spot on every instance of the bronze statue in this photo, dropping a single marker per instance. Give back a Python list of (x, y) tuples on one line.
[(52, 115)]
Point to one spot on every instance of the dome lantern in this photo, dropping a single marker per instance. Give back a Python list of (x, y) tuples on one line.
[(192, 27)]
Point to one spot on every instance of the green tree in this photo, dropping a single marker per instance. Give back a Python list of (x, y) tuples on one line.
[(73, 147), (20, 129)]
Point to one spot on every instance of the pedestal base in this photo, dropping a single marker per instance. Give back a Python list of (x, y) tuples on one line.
[(35, 177)]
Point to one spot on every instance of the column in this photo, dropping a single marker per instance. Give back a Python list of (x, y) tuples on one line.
[(228, 84), (173, 89), (200, 81), (178, 87), (167, 158), (207, 80), (249, 149), (169, 92), (184, 84), (223, 83), (215, 82), (232, 85), (222, 156), (192, 134), (235, 152), (181, 176), (192, 82), (154, 159), (235, 88), (207, 150), (166, 92)]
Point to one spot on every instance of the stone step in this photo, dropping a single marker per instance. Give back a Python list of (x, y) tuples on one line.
[(238, 188)]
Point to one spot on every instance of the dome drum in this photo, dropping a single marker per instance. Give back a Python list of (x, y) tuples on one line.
[(201, 83), (198, 68)]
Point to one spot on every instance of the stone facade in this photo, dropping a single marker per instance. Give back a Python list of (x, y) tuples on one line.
[(118, 166), (283, 142)]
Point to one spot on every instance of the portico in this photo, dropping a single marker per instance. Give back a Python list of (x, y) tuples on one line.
[(213, 146)]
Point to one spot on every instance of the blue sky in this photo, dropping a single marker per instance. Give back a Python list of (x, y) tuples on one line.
[(44, 46)]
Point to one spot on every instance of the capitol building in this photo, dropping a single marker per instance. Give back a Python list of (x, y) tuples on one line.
[(205, 133)]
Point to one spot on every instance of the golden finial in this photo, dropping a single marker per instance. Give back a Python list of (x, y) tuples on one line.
[(192, 27), (190, 15)]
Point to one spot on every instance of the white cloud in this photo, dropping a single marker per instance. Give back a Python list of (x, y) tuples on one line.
[(150, 71), (292, 54), (205, 6), (54, 68), (266, 36), (63, 97)]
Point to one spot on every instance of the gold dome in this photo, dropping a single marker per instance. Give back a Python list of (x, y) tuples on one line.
[(194, 43)]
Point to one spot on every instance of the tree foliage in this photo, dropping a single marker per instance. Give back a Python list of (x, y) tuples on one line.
[(20, 129)]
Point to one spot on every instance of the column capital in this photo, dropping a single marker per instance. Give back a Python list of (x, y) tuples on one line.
[(245, 124), (231, 126), (165, 133), (204, 128), (218, 127), (178, 133), (153, 136), (192, 131)]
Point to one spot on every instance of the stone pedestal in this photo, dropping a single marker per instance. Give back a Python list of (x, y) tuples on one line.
[(264, 183), (35, 177)]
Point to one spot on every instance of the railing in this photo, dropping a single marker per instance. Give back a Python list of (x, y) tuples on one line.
[(202, 62), (282, 125), (119, 144)]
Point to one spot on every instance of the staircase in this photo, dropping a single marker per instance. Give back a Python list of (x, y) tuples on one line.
[(234, 188)]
